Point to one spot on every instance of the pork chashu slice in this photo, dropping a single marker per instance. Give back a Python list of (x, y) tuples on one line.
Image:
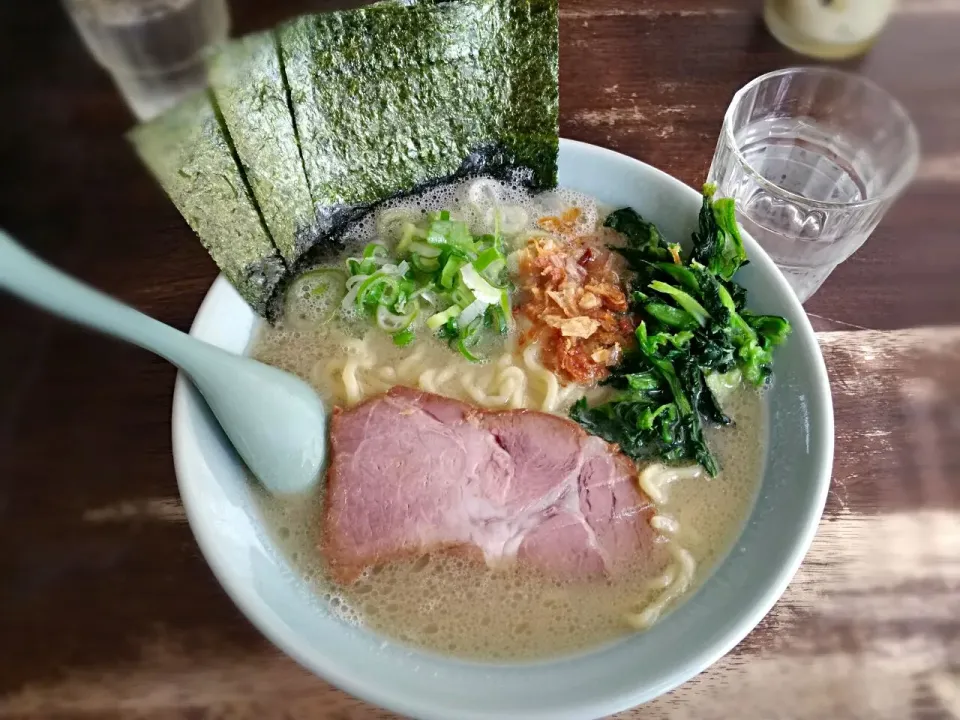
[(412, 472)]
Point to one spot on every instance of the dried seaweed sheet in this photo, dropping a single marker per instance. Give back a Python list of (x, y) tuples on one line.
[(247, 81), (395, 96), (363, 105), (190, 156)]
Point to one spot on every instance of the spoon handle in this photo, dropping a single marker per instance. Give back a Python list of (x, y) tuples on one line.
[(28, 277)]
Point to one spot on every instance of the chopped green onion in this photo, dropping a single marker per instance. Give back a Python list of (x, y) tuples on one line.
[(434, 322), (473, 311), (405, 294), (424, 264), (379, 288), (486, 257), (461, 346), (373, 250), (390, 292), (450, 271), (505, 307), (450, 330), (400, 269), (498, 318), (410, 233), (462, 295), (480, 287), (451, 233), (426, 292), (367, 266), (368, 289), (470, 332), (443, 263), (424, 250), (353, 288), (493, 270), (392, 322), (403, 338)]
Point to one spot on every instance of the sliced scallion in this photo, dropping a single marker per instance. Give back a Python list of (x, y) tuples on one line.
[(373, 250), (424, 250), (480, 287), (486, 257), (462, 295), (424, 264), (438, 320), (410, 233), (403, 338), (465, 351), (392, 322), (450, 269), (439, 261), (472, 312), (370, 289)]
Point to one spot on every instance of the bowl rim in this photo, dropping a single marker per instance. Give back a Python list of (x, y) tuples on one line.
[(423, 708)]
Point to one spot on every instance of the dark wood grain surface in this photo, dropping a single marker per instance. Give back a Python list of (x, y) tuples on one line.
[(107, 608)]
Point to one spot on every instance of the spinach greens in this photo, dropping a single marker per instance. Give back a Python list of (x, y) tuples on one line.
[(693, 327)]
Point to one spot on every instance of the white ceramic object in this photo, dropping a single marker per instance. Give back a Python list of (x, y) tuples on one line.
[(742, 589)]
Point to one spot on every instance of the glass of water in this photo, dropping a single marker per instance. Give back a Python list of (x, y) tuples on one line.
[(813, 157), (154, 49)]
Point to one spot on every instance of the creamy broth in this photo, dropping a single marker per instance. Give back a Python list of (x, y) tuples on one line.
[(453, 604), (458, 606)]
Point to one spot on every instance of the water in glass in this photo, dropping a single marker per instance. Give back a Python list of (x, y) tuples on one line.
[(813, 158)]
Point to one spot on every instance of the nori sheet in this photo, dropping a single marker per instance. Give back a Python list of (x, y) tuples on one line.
[(364, 105), (247, 81), (188, 152), (395, 96)]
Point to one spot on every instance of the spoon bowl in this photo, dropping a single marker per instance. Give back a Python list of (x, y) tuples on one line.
[(275, 420)]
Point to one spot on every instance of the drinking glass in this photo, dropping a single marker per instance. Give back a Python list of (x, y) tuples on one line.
[(154, 49), (813, 157)]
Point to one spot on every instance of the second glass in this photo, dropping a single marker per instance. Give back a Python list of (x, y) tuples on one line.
[(154, 49), (813, 157)]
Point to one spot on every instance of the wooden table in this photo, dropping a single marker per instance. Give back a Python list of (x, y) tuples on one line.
[(107, 609)]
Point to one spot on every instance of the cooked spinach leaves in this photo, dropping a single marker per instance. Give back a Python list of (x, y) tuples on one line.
[(693, 328)]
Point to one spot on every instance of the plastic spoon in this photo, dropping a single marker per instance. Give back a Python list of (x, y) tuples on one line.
[(276, 421)]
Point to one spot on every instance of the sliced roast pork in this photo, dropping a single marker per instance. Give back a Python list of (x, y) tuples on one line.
[(412, 472)]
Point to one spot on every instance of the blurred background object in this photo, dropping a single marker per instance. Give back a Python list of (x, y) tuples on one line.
[(814, 157), (828, 29), (154, 49)]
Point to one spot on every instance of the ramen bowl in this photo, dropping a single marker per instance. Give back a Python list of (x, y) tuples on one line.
[(744, 585)]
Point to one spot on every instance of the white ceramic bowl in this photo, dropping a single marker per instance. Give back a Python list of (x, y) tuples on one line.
[(743, 588)]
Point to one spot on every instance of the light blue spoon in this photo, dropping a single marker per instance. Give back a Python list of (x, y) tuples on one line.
[(276, 421)]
